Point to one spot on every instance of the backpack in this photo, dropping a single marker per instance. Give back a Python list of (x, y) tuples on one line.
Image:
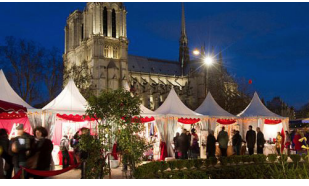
[(62, 145)]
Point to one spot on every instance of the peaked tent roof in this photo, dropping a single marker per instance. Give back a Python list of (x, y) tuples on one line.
[(174, 106), (8, 94), (211, 108), (69, 100), (257, 109)]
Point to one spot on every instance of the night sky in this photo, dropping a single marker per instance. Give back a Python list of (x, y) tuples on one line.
[(265, 42)]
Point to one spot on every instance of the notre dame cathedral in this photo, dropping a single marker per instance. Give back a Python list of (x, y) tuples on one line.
[(98, 36)]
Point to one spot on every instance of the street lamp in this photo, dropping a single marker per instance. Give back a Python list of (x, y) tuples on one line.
[(208, 61)]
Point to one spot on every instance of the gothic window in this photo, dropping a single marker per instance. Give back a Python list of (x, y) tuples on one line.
[(114, 23), (106, 51), (82, 32), (115, 52), (105, 21)]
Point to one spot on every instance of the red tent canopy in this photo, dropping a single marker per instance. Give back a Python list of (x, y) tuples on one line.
[(11, 107)]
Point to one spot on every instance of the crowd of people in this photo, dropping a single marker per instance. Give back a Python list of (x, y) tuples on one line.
[(186, 145), (35, 151)]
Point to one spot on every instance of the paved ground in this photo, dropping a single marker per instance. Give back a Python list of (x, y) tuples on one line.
[(75, 174)]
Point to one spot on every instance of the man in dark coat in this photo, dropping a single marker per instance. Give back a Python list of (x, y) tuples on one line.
[(251, 139), (223, 139), (236, 142), (4, 145), (260, 141), (211, 145), (183, 142), (175, 139)]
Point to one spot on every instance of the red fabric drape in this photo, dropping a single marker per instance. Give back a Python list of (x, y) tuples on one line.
[(13, 115), (76, 118), (71, 154), (189, 121), (140, 119), (10, 124), (226, 121), (114, 152), (11, 107), (270, 121), (163, 151)]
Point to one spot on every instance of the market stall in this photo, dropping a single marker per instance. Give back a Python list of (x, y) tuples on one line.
[(65, 115), (173, 116), (217, 117), (257, 115)]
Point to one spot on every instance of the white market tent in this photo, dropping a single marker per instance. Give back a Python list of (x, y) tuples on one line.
[(171, 111), (8, 94), (258, 115), (215, 113)]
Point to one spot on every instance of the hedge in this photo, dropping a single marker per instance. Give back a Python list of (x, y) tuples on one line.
[(254, 166)]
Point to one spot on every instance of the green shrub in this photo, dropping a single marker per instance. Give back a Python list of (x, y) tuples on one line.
[(237, 159), (163, 166), (213, 161), (180, 164), (207, 163), (172, 164), (230, 159), (223, 161), (283, 158), (295, 158), (189, 164), (246, 158), (272, 157), (259, 158), (305, 157), (198, 163)]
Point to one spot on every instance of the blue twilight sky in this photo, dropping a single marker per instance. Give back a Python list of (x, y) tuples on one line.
[(265, 42)]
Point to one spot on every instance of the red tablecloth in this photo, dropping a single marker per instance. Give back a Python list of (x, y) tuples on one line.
[(71, 154)]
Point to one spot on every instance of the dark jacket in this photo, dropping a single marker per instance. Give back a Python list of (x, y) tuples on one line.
[(183, 142), (223, 139), (251, 138), (4, 143), (211, 144), (260, 141), (236, 140), (44, 147), (175, 139)]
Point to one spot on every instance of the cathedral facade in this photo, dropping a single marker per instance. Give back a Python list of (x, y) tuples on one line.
[(98, 36)]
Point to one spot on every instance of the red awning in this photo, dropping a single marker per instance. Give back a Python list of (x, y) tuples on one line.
[(140, 119), (11, 107), (273, 122), (76, 118), (226, 121), (189, 121)]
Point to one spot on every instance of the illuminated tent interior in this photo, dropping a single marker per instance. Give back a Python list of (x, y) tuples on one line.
[(258, 115)]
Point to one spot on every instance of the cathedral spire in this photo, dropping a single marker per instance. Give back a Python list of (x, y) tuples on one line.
[(184, 57)]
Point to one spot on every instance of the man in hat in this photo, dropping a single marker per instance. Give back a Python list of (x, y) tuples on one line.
[(20, 147)]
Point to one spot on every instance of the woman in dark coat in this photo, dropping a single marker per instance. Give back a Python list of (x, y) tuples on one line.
[(43, 149), (211, 145)]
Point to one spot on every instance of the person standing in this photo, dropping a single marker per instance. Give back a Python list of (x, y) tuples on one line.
[(296, 141), (236, 142), (278, 143), (211, 145), (183, 142), (223, 139), (44, 148), (251, 139), (260, 141), (287, 142), (4, 145), (195, 148), (64, 148), (176, 145), (20, 148)]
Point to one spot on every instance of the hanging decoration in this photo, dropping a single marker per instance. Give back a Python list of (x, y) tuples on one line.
[(140, 119), (188, 120), (250, 81), (13, 115), (226, 121), (75, 118), (272, 122)]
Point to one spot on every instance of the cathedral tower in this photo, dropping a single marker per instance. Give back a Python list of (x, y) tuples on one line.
[(98, 35), (184, 57)]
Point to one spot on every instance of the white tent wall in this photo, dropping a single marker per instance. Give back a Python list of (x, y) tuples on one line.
[(171, 130)]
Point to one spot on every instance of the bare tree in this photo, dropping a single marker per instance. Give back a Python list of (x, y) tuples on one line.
[(23, 61)]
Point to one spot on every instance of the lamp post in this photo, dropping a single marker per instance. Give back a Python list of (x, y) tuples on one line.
[(208, 60)]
